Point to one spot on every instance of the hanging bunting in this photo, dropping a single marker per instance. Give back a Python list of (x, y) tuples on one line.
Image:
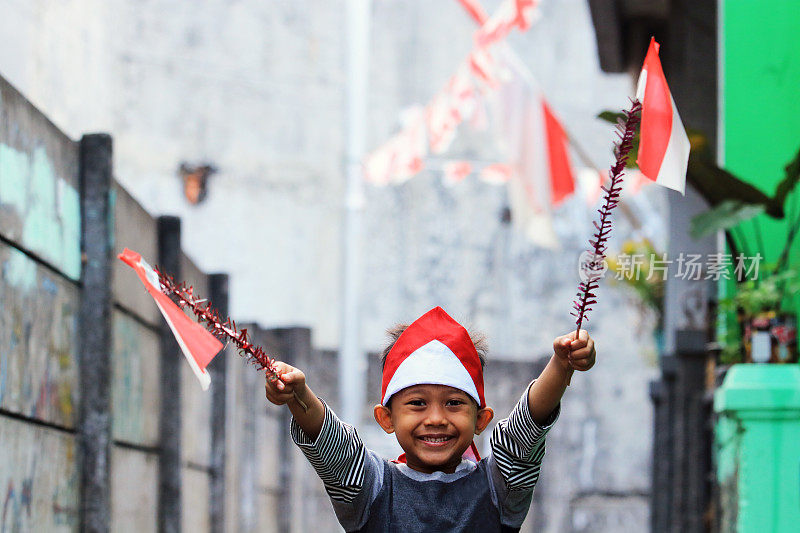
[(496, 174), (478, 74), (456, 171), (591, 182)]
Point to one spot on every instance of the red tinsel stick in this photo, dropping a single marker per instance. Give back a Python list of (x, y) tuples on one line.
[(224, 330), (626, 130)]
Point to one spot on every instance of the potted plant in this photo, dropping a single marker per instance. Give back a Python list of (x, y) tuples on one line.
[(766, 323), (767, 331)]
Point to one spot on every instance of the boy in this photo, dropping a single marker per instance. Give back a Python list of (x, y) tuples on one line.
[(432, 400)]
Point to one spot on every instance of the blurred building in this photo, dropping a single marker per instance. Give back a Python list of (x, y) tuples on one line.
[(731, 65)]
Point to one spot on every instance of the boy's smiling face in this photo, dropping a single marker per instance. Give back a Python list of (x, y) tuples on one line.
[(434, 424)]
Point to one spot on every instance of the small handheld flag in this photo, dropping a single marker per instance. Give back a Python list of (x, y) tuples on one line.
[(593, 260), (663, 144), (663, 157), (198, 345)]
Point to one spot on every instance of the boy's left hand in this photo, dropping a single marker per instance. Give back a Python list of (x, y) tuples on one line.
[(578, 353)]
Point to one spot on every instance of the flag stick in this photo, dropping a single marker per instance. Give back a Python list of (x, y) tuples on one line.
[(225, 330), (593, 269)]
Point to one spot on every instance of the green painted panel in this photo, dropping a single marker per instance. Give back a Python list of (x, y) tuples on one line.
[(757, 454), (38, 340), (761, 111), (756, 438), (39, 199), (761, 78)]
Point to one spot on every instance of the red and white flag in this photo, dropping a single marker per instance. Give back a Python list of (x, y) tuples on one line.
[(543, 153), (510, 14), (562, 179), (197, 344), (401, 157), (663, 144), (591, 181), (496, 173), (456, 171), (538, 152)]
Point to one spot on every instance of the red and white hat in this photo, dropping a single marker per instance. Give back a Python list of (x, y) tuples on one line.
[(437, 350)]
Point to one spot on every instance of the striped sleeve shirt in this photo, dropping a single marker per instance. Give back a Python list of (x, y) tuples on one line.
[(518, 445), (337, 455), (352, 474)]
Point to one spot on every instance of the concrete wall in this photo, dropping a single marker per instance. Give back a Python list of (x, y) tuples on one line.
[(40, 267), (45, 431)]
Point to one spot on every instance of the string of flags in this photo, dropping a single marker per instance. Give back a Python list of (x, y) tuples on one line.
[(431, 129), (538, 173)]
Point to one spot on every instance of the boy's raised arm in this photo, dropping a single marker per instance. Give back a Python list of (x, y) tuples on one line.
[(569, 354), (282, 391)]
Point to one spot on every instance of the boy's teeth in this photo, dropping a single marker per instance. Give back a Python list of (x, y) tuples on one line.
[(434, 439)]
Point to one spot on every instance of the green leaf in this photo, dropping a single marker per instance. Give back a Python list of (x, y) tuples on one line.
[(727, 214), (717, 185), (790, 181), (611, 116)]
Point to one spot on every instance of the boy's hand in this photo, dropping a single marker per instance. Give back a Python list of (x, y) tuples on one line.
[(291, 381), (578, 354), (290, 389), (569, 354)]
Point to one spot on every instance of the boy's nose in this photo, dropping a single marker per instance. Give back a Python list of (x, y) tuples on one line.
[(435, 417)]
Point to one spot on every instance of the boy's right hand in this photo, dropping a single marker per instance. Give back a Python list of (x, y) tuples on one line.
[(291, 381)]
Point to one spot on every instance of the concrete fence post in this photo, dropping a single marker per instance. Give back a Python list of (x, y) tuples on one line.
[(296, 349), (681, 491), (662, 394), (218, 294), (94, 430), (169, 464), (691, 445)]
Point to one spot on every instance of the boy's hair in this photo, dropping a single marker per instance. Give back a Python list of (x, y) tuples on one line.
[(478, 339)]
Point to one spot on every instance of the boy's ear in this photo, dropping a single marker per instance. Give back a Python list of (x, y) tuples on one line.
[(485, 416), (383, 416)]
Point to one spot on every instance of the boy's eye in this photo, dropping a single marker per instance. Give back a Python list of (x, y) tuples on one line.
[(455, 402), (416, 403)]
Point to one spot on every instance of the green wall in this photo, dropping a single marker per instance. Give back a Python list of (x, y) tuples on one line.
[(760, 106), (759, 132)]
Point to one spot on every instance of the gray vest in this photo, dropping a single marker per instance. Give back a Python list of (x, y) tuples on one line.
[(405, 505)]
